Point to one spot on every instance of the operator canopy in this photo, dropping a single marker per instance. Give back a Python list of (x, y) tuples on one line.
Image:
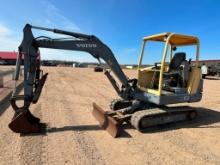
[(175, 39)]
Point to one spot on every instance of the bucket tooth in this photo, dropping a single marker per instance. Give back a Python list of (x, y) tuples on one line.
[(106, 121), (25, 122)]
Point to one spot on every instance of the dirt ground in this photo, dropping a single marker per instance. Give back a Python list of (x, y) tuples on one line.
[(74, 137)]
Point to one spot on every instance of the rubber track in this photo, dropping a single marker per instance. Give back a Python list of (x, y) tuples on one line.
[(137, 116)]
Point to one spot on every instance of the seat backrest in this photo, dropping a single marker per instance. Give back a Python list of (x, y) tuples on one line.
[(176, 61)]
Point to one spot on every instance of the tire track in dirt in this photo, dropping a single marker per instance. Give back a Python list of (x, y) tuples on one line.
[(192, 146), (31, 145), (191, 139), (83, 140), (95, 90), (54, 145), (9, 141), (75, 147)]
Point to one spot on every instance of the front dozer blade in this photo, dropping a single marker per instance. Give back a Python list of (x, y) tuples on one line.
[(24, 122), (106, 121)]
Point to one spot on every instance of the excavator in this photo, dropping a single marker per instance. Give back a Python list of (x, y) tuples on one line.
[(143, 101)]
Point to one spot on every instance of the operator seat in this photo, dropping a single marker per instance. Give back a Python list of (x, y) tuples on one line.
[(175, 63), (177, 74)]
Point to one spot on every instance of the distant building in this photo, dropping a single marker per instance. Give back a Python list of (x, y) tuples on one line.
[(91, 66), (129, 66), (208, 63), (8, 58)]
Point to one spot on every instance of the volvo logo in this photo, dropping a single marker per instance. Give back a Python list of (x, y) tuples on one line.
[(86, 45)]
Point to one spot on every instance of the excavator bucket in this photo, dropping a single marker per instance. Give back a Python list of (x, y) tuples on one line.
[(24, 122), (106, 121)]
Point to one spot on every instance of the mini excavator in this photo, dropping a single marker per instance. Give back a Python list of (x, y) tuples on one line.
[(144, 102)]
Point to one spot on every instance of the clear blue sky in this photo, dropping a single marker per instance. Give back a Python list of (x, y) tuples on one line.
[(120, 24)]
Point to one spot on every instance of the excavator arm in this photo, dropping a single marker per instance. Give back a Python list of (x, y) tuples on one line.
[(80, 42), (34, 79)]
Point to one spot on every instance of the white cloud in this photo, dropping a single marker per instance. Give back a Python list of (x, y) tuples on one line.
[(7, 41), (130, 50), (4, 31), (51, 17)]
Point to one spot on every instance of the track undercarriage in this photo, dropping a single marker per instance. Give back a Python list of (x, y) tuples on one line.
[(140, 115)]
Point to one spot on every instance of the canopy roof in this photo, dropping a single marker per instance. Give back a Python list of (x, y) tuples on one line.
[(175, 39)]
